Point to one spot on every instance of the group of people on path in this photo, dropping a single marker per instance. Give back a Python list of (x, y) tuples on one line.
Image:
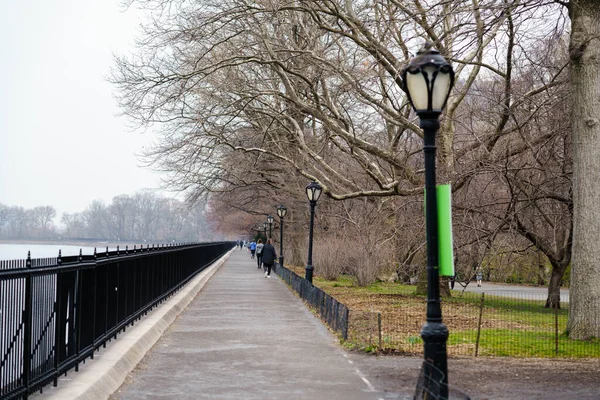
[(265, 255)]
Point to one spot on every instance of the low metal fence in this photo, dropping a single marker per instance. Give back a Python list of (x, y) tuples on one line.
[(334, 313), (502, 324), (56, 312)]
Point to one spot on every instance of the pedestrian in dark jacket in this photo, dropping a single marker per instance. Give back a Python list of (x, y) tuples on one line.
[(268, 257)]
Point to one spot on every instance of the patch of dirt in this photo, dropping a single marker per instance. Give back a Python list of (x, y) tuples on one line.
[(488, 378)]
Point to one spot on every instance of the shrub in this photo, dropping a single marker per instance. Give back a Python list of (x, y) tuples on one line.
[(330, 256)]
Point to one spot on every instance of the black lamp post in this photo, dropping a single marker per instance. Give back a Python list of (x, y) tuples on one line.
[(281, 211), (270, 221), (427, 81), (313, 192)]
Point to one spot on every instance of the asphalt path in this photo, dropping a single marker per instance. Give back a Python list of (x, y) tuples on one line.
[(247, 337), (516, 291)]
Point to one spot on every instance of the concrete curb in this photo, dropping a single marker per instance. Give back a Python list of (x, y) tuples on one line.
[(102, 376)]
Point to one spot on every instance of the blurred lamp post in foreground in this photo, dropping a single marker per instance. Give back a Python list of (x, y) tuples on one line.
[(281, 212), (427, 80), (313, 192)]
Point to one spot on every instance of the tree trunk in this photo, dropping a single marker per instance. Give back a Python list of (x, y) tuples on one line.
[(553, 300), (541, 276), (584, 51), (445, 287), (422, 282), (422, 285)]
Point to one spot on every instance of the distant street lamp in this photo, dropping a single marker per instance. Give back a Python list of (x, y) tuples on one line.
[(270, 221), (281, 212), (313, 192), (427, 80), (265, 227)]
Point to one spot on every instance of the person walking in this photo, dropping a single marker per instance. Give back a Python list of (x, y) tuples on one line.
[(252, 249), (269, 255), (479, 277), (259, 248)]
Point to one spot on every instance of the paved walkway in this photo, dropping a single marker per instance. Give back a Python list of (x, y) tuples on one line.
[(246, 337), (242, 336)]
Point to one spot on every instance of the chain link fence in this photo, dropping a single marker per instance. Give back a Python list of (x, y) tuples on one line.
[(505, 324)]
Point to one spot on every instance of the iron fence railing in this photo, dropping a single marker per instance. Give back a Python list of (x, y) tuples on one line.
[(56, 312), (334, 313)]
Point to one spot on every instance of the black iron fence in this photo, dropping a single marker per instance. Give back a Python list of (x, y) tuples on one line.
[(331, 311), (56, 312)]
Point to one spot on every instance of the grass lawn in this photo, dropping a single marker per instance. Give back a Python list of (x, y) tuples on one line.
[(388, 317)]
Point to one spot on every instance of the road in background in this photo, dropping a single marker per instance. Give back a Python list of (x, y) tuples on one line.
[(517, 291)]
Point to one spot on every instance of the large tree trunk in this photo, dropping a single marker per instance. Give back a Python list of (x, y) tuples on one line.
[(422, 285), (541, 276), (584, 304), (553, 300), (422, 282)]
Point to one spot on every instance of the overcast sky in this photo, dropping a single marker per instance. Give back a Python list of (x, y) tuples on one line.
[(62, 142)]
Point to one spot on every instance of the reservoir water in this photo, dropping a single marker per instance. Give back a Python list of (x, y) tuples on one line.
[(9, 251)]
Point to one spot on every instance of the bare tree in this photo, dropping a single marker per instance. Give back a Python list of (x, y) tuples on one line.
[(96, 220), (247, 93), (74, 225), (172, 220), (308, 84), (19, 222), (197, 225), (584, 51), (43, 217), (4, 216), (122, 217), (148, 208)]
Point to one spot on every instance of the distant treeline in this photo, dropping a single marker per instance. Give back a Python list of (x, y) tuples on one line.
[(143, 217)]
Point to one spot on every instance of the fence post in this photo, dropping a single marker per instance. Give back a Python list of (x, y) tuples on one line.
[(77, 318), (347, 322), (555, 329), (58, 332), (27, 322), (95, 288), (479, 325), (379, 329)]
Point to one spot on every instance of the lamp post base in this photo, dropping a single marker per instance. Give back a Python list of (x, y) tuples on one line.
[(281, 260), (309, 273), (435, 366)]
